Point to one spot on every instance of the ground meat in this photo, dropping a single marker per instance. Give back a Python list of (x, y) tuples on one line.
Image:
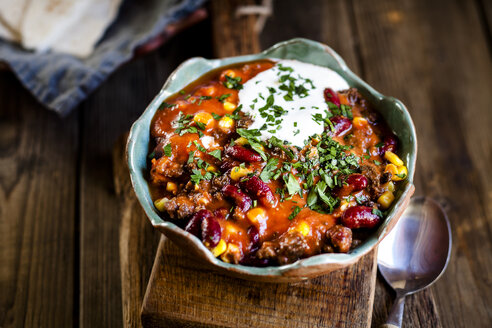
[(244, 122), (289, 248), (356, 98), (220, 181), (180, 207), (372, 174), (283, 155), (164, 168), (340, 238)]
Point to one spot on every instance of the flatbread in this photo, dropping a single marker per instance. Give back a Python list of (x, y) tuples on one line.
[(80, 39), (7, 34), (70, 26), (46, 20), (12, 13)]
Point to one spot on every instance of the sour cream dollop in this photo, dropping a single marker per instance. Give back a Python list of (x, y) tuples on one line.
[(282, 99)]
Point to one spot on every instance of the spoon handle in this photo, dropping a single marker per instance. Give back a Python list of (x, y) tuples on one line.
[(396, 315)]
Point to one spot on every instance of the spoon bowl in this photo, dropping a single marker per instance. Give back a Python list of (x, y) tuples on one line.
[(415, 253)]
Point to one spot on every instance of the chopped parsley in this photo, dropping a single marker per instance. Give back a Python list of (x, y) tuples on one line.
[(292, 184), (197, 176), (199, 147), (216, 153), (233, 82), (294, 212), (377, 212), (166, 105), (184, 125), (201, 98), (168, 150), (224, 97), (269, 170), (255, 143)]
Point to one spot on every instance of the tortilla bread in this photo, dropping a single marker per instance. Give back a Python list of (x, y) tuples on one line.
[(70, 26)]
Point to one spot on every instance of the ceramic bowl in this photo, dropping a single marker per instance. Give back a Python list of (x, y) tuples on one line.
[(304, 50)]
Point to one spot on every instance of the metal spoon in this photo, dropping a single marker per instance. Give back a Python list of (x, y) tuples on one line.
[(415, 253)]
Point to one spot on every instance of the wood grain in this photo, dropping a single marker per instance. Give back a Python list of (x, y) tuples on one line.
[(232, 35), (425, 57), (182, 292), (138, 240), (107, 114), (434, 55), (37, 211)]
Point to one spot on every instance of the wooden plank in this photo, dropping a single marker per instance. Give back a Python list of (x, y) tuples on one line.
[(37, 205), (434, 56), (106, 115), (232, 34), (317, 22), (138, 240), (182, 292)]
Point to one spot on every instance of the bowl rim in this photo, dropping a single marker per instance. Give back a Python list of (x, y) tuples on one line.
[(342, 259)]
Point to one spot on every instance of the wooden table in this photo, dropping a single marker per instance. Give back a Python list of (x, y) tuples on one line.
[(64, 257)]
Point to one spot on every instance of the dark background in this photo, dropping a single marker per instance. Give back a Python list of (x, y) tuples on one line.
[(59, 216)]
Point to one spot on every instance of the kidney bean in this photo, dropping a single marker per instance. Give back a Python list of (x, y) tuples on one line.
[(243, 154), (227, 164), (254, 237), (251, 260), (195, 223), (389, 143), (259, 190), (221, 213), (211, 231), (360, 217), (332, 96), (357, 182), (341, 125), (242, 201)]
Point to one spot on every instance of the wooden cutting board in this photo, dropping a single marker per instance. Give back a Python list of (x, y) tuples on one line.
[(182, 292)]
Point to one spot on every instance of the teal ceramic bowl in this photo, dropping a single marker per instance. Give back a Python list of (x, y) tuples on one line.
[(304, 50)]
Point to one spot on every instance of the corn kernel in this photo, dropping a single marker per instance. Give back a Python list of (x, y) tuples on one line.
[(231, 252), (391, 168), (256, 215), (316, 140), (203, 200), (226, 124), (204, 118), (212, 168), (159, 204), (241, 141), (229, 107), (344, 204), (171, 186), (386, 199), (389, 186), (401, 174), (359, 122), (238, 172), (303, 228), (209, 91), (393, 158), (220, 248), (229, 73)]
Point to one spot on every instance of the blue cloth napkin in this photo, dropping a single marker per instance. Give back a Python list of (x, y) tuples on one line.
[(61, 81)]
